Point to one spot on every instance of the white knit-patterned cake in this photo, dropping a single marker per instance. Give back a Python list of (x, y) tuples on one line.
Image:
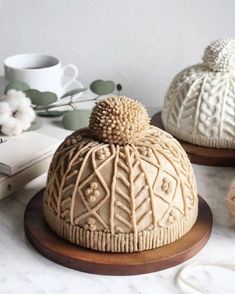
[(120, 185), (199, 106)]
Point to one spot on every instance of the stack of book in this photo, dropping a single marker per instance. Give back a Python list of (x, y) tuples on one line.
[(24, 158)]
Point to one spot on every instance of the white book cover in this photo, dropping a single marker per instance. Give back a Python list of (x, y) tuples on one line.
[(20, 152), (9, 185)]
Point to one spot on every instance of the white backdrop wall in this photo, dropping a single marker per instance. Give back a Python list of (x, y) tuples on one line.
[(139, 43)]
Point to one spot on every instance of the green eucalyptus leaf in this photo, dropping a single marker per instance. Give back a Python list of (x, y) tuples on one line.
[(76, 119), (73, 92), (16, 85), (34, 95), (35, 125), (52, 113), (49, 97), (41, 98), (101, 87)]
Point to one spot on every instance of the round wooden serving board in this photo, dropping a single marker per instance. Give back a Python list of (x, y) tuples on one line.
[(202, 155), (67, 254)]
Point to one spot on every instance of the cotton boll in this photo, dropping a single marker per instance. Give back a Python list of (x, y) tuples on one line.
[(11, 92), (4, 107), (12, 100), (28, 111), (24, 119), (25, 102), (21, 97), (25, 115), (17, 113), (16, 98), (4, 117), (19, 94), (15, 93), (12, 127), (5, 112), (31, 113)]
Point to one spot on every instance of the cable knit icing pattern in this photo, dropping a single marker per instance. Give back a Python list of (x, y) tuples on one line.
[(199, 106), (121, 198)]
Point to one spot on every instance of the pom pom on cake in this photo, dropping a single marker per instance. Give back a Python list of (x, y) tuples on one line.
[(220, 55), (119, 120)]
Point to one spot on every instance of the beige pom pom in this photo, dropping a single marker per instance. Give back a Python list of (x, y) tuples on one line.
[(119, 120), (220, 56), (230, 199)]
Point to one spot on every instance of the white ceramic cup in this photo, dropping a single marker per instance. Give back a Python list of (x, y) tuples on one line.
[(39, 71)]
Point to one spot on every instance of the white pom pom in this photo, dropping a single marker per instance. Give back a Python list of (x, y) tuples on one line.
[(219, 56), (12, 127), (5, 112)]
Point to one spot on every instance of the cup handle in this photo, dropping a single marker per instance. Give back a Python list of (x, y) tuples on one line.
[(73, 78)]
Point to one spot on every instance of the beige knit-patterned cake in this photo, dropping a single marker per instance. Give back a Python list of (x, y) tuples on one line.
[(199, 106), (120, 185)]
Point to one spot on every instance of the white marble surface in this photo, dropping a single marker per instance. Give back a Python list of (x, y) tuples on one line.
[(24, 270)]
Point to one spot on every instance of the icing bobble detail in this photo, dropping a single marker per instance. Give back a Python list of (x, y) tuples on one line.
[(145, 151), (173, 216), (73, 140), (166, 185), (92, 193), (90, 224), (103, 153)]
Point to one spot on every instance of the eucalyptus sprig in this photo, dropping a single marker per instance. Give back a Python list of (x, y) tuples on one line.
[(44, 102)]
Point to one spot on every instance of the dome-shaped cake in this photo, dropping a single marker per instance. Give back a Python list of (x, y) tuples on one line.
[(120, 185), (199, 106)]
